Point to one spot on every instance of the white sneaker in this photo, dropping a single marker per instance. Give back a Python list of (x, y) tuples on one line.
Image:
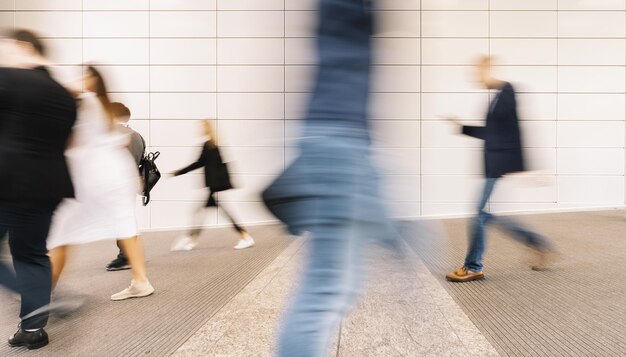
[(183, 243), (246, 242), (135, 290)]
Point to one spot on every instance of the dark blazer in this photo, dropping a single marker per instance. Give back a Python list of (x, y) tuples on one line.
[(501, 133), (216, 175), (36, 119)]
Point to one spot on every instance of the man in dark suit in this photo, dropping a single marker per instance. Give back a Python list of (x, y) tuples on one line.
[(36, 118), (503, 155)]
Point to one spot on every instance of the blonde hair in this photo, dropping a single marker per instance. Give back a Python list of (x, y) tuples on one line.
[(210, 131)]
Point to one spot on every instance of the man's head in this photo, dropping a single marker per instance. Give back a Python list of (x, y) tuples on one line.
[(22, 48), (484, 72), (120, 112)]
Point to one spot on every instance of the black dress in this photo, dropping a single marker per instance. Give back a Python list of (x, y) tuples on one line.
[(216, 175)]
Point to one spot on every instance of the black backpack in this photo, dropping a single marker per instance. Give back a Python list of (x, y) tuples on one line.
[(149, 173)]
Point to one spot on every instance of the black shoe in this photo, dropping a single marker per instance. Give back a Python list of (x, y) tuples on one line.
[(31, 340), (118, 264)]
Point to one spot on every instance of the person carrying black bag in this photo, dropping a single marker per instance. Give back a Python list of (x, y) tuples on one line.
[(137, 148), (217, 179)]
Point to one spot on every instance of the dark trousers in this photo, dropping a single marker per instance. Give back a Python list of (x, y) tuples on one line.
[(27, 225)]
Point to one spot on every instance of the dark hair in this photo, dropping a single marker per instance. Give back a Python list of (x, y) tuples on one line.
[(119, 110), (28, 37), (101, 91)]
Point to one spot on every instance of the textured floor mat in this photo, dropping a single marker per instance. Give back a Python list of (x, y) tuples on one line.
[(190, 288), (578, 308)]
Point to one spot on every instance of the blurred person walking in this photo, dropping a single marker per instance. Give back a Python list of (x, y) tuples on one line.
[(106, 181), (137, 148), (216, 179), (36, 118), (502, 155), (331, 189)]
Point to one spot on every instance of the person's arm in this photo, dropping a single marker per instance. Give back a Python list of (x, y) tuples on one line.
[(474, 131), (478, 132), (193, 166)]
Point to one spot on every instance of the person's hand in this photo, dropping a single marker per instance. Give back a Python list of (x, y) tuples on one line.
[(453, 120)]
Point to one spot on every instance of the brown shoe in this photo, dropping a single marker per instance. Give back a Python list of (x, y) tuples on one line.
[(463, 274), (545, 259)]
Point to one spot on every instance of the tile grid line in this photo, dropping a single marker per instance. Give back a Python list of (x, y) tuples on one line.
[(421, 114), (217, 90), (284, 84), (149, 98), (556, 130), (490, 202)]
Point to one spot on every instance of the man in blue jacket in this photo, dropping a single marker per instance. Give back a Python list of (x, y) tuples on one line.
[(503, 155)]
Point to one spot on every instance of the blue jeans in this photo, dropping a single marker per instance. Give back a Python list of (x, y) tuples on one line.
[(27, 225), (474, 258), (331, 189)]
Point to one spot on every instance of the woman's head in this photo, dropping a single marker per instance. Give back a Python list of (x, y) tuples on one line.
[(94, 82), (209, 131)]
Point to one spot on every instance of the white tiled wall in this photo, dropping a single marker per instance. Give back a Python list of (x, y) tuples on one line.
[(249, 64)]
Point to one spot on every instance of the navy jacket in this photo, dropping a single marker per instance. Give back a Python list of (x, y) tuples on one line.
[(501, 133), (216, 175), (36, 118)]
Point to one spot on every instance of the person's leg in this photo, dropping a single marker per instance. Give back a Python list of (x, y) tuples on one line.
[(190, 240), (120, 262), (545, 249), (236, 226), (523, 234), (58, 257), (7, 276), (30, 260), (245, 240), (133, 249), (328, 287), (197, 220), (473, 260), (139, 286), (121, 256)]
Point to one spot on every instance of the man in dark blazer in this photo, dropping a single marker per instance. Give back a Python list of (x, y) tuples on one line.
[(36, 118), (502, 156)]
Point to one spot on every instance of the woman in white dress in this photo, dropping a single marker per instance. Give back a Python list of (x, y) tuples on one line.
[(106, 183)]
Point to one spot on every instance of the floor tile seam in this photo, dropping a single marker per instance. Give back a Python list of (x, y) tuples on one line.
[(284, 265), (216, 296), (216, 313), (428, 279), (230, 302), (299, 245)]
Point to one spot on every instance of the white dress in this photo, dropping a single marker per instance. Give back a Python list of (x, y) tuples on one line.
[(105, 178)]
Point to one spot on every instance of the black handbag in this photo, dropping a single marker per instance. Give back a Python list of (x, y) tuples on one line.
[(150, 174)]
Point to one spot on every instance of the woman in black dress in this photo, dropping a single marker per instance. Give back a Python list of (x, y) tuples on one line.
[(217, 179)]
